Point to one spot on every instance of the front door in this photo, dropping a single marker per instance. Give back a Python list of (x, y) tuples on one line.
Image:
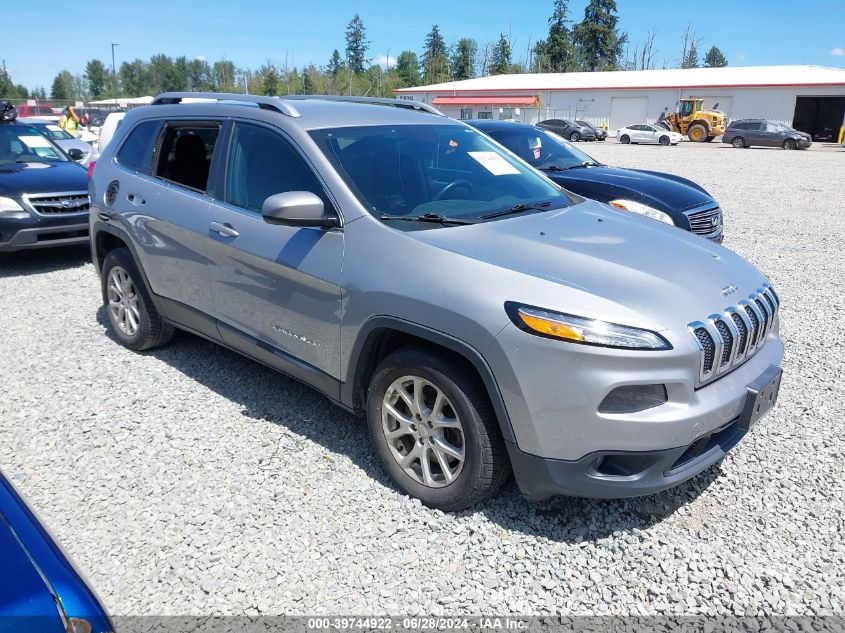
[(275, 287)]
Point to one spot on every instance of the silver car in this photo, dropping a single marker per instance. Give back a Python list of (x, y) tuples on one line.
[(483, 319), (63, 139)]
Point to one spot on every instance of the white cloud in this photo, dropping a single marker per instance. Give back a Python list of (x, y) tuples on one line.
[(386, 60), (200, 58), (838, 52)]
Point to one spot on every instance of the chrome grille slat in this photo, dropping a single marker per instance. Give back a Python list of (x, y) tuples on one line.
[(60, 203), (727, 340)]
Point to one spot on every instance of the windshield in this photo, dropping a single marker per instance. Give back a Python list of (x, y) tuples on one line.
[(541, 148), (53, 132), (448, 170), (25, 144), (584, 124)]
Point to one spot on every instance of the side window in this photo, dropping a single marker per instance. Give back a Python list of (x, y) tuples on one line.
[(772, 127), (136, 151), (185, 155), (260, 164)]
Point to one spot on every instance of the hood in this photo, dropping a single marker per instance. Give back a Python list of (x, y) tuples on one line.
[(665, 192), (17, 179), (605, 264)]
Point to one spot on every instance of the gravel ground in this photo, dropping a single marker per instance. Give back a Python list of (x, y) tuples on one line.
[(192, 481)]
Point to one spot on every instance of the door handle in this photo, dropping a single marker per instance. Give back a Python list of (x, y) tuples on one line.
[(135, 199), (224, 229)]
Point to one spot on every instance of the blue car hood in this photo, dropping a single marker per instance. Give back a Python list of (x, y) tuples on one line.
[(665, 192), (17, 179)]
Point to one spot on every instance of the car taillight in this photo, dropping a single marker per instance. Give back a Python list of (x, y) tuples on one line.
[(91, 168)]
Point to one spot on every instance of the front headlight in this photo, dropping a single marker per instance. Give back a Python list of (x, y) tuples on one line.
[(577, 329), (642, 209), (11, 209)]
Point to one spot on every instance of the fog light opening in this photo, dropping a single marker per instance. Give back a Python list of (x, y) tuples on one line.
[(633, 398)]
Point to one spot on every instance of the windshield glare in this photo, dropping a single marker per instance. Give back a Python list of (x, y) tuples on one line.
[(542, 149), (449, 170), (25, 144)]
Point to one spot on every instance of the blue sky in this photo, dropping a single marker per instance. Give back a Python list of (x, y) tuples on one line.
[(36, 41)]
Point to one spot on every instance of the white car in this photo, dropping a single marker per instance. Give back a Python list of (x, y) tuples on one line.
[(110, 125), (64, 139), (645, 133)]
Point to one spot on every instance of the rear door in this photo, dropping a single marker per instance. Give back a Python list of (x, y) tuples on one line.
[(276, 288), (755, 133)]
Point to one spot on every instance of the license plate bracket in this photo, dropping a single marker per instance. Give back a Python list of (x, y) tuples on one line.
[(762, 396)]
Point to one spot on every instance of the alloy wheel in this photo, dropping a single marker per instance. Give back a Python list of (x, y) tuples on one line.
[(423, 431), (123, 301)]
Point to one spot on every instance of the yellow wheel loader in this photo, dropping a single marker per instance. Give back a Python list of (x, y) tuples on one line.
[(692, 120)]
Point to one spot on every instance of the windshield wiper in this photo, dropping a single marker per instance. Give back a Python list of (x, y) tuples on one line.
[(517, 208), (426, 217), (586, 163)]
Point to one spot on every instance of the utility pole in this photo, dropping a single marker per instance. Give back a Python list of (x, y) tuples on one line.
[(114, 73)]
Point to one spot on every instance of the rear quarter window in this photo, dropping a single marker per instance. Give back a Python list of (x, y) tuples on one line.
[(136, 151)]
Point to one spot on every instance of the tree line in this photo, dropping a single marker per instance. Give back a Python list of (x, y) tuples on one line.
[(593, 44)]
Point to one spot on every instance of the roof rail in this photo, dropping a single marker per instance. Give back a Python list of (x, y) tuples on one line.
[(265, 103), (386, 101)]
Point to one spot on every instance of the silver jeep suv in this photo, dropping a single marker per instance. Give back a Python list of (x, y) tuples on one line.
[(414, 271)]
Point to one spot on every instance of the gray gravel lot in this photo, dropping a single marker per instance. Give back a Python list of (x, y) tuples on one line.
[(189, 480)]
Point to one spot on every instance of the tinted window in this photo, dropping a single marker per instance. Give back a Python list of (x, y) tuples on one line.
[(185, 155), (136, 150), (261, 163), (448, 169)]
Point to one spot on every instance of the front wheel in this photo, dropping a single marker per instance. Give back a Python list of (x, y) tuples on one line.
[(133, 318), (738, 142), (664, 140), (435, 430), (575, 137), (790, 144), (697, 133), (624, 139)]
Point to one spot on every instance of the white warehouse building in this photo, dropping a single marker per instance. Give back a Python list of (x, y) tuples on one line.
[(810, 98)]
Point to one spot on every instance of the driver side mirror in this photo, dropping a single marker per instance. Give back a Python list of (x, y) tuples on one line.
[(74, 153), (297, 208)]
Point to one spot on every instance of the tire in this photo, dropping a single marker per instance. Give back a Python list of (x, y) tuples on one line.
[(790, 144), (132, 315), (738, 142), (697, 133), (575, 137), (465, 403), (664, 140), (624, 139), (709, 139)]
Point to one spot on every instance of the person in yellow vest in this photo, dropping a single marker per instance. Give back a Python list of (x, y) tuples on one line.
[(69, 121)]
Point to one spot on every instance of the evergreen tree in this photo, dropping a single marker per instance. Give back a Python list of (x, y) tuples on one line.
[(463, 59), (408, 69), (335, 63), (714, 58), (598, 40), (691, 59), (62, 89), (271, 80), (435, 63), (501, 57), (97, 78), (557, 52), (308, 87), (356, 45)]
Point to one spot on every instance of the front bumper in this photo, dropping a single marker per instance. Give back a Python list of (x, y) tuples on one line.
[(621, 474), (40, 232), (804, 143)]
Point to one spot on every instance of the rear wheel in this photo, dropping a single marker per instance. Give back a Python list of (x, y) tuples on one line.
[(133, 318), (664, 140), (625, 139), (738, 142), (575, 137), (433, 426), (790, 144), (697, 133)]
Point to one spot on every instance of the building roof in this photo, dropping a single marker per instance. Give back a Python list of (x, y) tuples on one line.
[(729, 76)]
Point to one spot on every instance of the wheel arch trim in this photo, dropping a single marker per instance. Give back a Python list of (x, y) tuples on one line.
[(359, 360)]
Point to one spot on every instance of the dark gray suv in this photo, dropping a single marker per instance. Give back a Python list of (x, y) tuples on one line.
[(416, 272), (763, 133)]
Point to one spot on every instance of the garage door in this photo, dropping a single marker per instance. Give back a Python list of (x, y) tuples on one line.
[(627, 111), (719, 103)]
